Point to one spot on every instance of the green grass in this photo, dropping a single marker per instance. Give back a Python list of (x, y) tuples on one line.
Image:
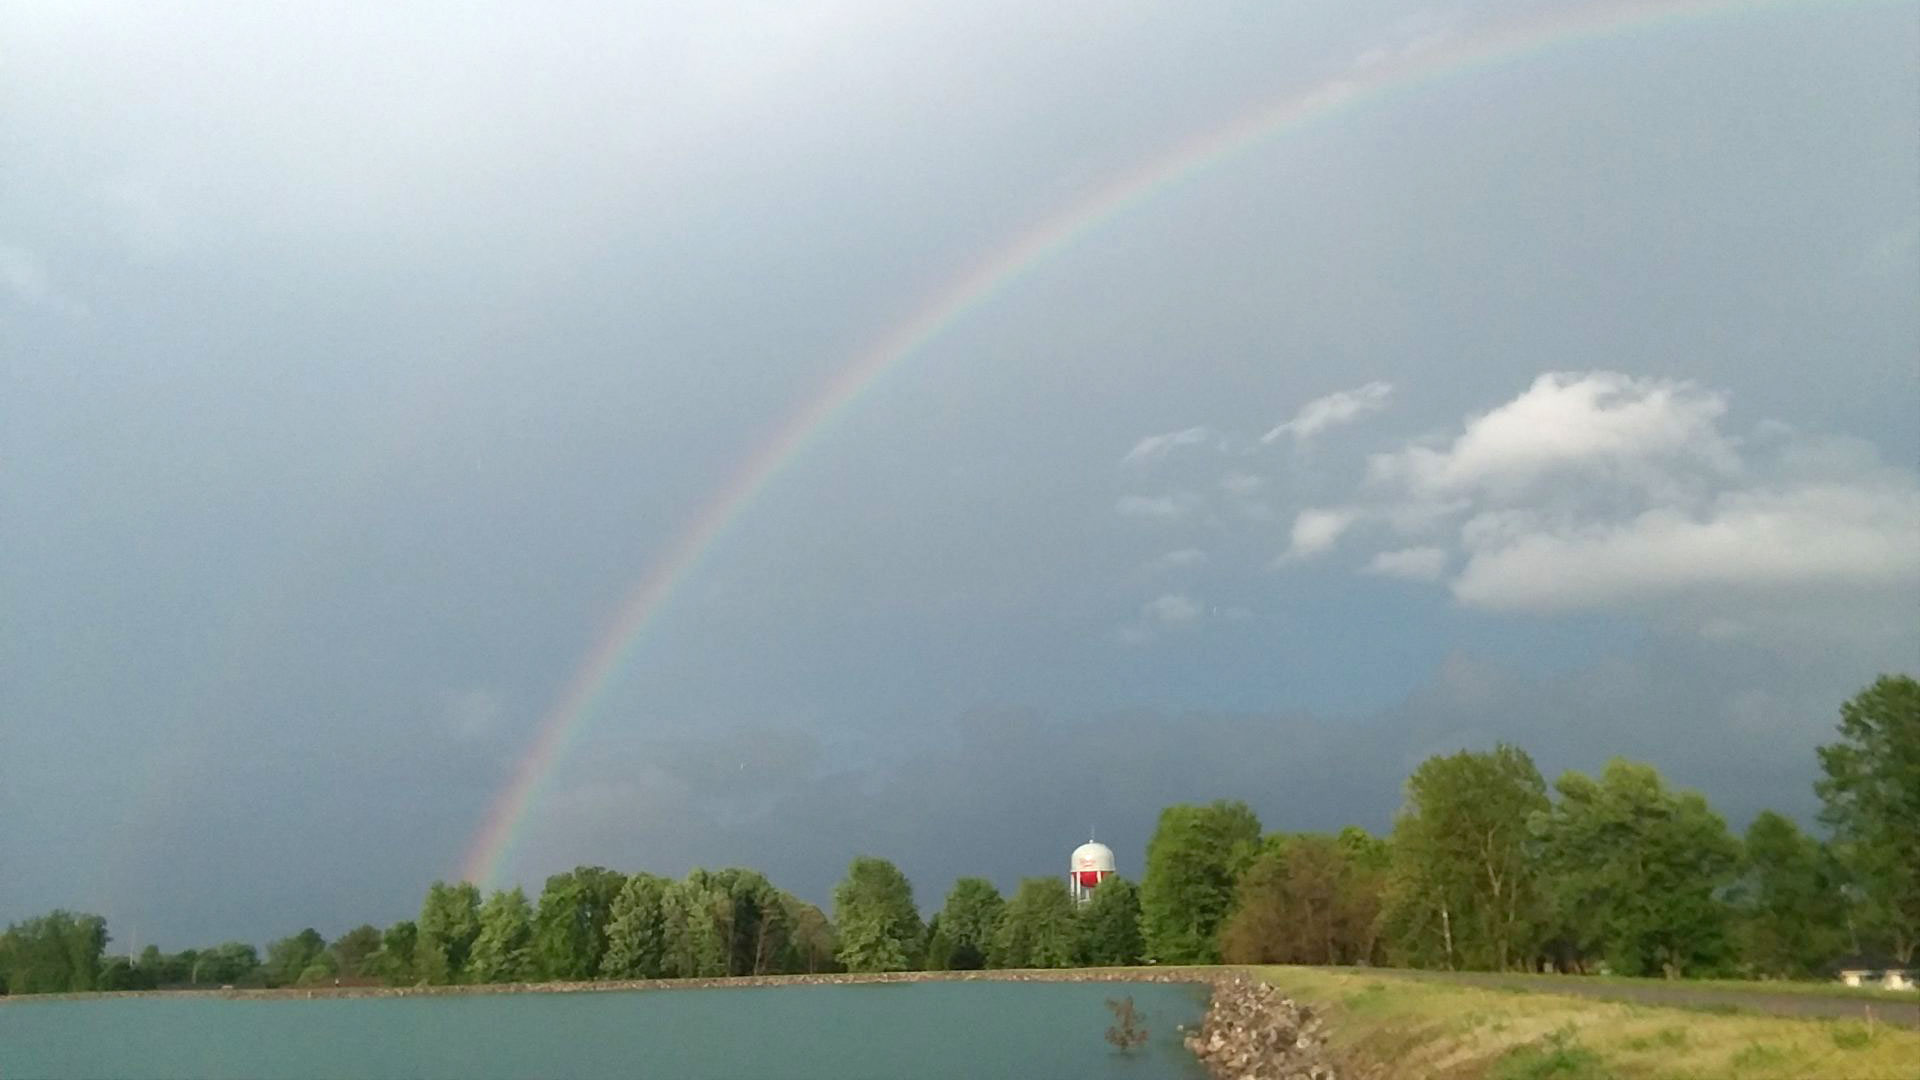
[(1560, 1055), (1759, 1054), (1672, 1038), (1848, 1035), (1387, 1026)]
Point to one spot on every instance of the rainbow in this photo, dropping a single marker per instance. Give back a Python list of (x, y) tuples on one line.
[(993, 275)]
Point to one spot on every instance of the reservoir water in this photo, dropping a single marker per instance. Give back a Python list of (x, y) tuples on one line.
[(885, 1031)]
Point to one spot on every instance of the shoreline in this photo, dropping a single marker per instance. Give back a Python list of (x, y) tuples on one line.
[(1211, 977)]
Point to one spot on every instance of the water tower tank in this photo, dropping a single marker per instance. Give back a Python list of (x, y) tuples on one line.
[(1091, 864)]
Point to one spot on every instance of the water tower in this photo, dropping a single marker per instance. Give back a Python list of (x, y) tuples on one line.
[(1090, 865)]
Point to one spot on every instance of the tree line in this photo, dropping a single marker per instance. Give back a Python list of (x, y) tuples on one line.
[(1484, 868)]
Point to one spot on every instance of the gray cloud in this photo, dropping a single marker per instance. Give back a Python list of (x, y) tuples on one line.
[(1006, 793), (360, 362)]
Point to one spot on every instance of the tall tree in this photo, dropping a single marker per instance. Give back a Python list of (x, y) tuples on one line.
[(353, 949), (122, 973), (1368, 873), (156, 967), (967, 923), (1465, 890), (1871, 792), (288, 957), (1789, 901), (503, 950), (1110, 925), (570, 926), (637, 932), (230, 963), (59, 952), (449, 923), (396, 962), (1637, 870), (1193, 860), (752, 921), (1038, 928), (811, 945), (1308, 899), (696, 943), (879, 928)]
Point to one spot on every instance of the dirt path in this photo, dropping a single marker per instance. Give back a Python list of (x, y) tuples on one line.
[(1690, 996)]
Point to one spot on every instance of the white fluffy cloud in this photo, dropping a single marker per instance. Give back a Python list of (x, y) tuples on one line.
[(1594, 491), (1316, 531), (1604, 491), (1155, 447), (1852, 537), (1333, 410), (1587, 428)]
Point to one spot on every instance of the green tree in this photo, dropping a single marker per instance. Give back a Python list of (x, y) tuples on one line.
[(570, 926), (939, 952), (1871, 792), (230, 963), (175, 968), (289, 956), (1193, 860), (1464, 890), (123, 973), (503, 950), (696, 943), (879, 928), (397, 960), (324, 969), (155, 967), (637, 931), (1308, 899), (967, 923), (1110, 925), (751, 919), (1789, 903), (811, 944), (59, 952), (1368, 874), (1637, 870), (1038, 928), (449, 923), (353, 950)]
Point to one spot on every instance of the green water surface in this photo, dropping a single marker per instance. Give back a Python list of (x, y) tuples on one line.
[(925, 1031)]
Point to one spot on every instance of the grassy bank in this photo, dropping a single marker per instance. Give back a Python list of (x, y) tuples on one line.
[(1398, 1026)]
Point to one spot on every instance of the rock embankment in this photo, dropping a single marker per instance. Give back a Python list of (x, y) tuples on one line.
[(1254, 1032)]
